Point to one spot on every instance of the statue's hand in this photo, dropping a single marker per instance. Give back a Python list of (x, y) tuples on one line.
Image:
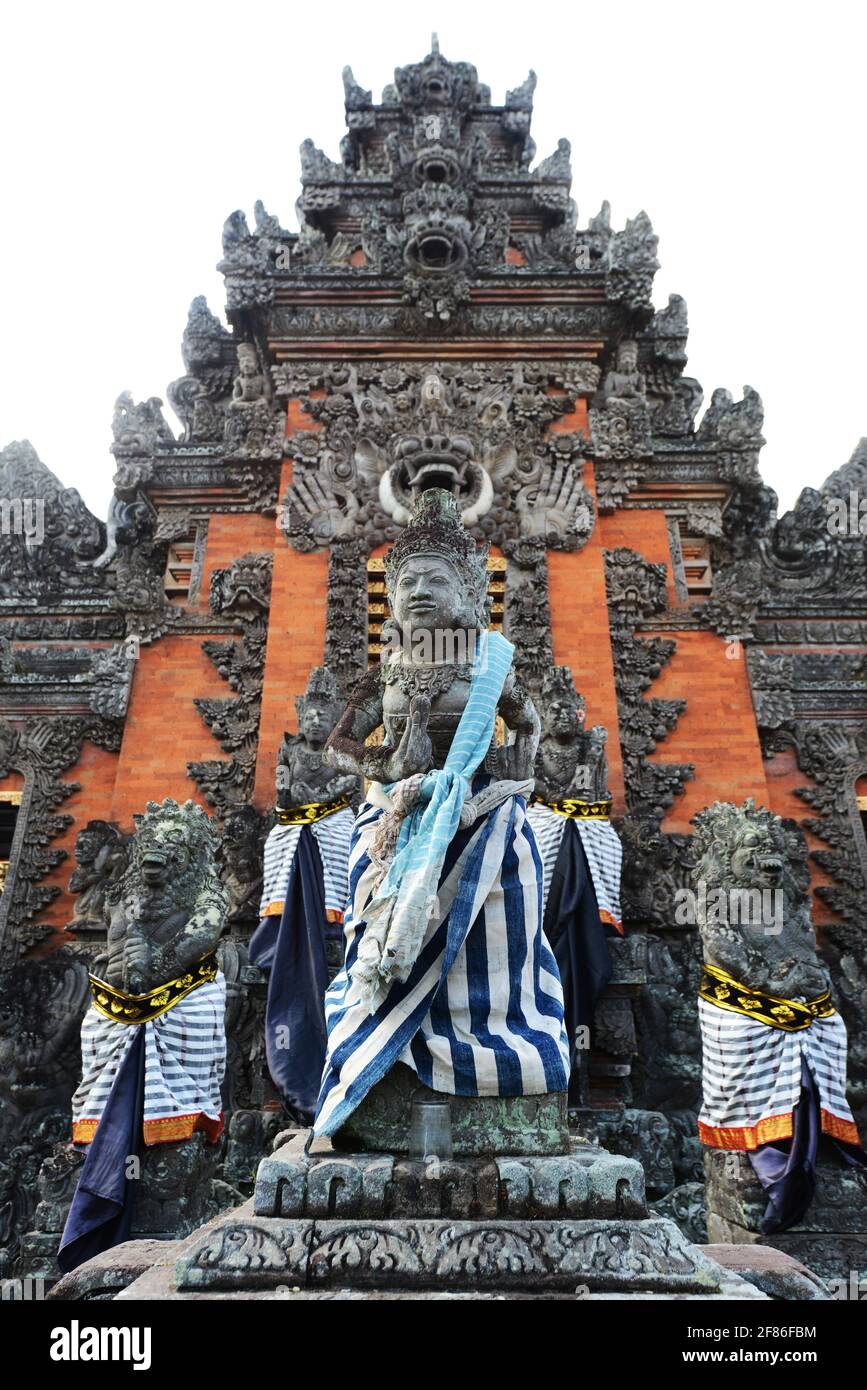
[(516, 759), (136, 959), (414, 753)]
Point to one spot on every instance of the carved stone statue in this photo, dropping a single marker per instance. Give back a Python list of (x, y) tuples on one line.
[(620, 416), (304, 890), (442, 859), (153, 1043), (571, 761), (773, 1044), (253, 428), (101, 858), (302, 775)]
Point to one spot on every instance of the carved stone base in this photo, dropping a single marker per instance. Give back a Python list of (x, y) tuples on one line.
[(248, 1252), (583, 1183), (481, 1125), (831, 1239)]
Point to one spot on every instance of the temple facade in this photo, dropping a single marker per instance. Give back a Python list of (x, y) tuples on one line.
[(443, 318)]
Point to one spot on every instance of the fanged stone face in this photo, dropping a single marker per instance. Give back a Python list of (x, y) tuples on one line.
[(160, 856), (756, 861)]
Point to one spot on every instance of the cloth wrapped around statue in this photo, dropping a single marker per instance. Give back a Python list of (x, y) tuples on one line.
[(581, 859), (746, 1034), (304, 894), (184, 1052), (446, 966)]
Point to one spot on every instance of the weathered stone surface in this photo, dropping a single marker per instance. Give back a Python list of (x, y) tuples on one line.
[(586, 1182), (776, 1274), (735, 1194), (246, 1252), (481, 1125), (105, 1275), (830, 1255), (609, 1255)]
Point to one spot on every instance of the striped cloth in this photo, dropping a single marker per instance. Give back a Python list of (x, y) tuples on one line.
[(333, 834), (185, 1060), (602, 847), (751, 1078), (401, 907), (481, 1013)]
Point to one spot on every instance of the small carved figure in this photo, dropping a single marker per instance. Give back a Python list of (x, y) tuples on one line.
[(302, 775), (571, 761), (101, 858)]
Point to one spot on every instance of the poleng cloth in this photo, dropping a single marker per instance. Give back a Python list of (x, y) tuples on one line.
[(481, 1011), (332, 829), (601, 845), (751, 1067), (185, 1060)]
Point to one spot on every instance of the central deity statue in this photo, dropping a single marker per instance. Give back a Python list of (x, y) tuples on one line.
[(446, 971)]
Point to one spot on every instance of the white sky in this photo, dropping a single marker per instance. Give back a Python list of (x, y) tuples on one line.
[(130, 131)]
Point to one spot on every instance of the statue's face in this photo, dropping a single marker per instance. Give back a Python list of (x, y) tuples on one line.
[(316, 720), (627, 357), (429, 593), (562, 714)]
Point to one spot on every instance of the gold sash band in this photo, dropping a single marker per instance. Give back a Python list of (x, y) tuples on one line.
[(790, 1015), (141, 1008), (310, 811), (574, 809)]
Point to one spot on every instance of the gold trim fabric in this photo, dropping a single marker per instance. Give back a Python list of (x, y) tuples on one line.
[(308, 812), (141, 1008), (789, 1015)]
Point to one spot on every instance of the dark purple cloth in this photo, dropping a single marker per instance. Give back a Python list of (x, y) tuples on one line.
[(104, 1201), (291, 950), (786, 1168), (579, 939)]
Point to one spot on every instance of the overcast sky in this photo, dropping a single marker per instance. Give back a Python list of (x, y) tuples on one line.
[(130, 131)]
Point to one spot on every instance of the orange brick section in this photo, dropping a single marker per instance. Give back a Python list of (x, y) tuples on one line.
[(231, 535), (581, 639), (643, 531), (296, 643), (783, 776), (164, 730), (718, 730)]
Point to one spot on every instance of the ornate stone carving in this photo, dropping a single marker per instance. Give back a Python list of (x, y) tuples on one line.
[(101, 852), (571, 761), (302, 776), (242, 593)]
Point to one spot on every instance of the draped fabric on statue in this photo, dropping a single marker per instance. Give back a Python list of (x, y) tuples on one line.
[(577, 934), (787, 1168), (751, 1078), (291, 950), (102, 1208), (481, 1012), (185, 1060)]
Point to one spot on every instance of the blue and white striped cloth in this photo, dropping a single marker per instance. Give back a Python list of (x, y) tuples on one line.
[(481, 1012), (403, 904), (332, 835)]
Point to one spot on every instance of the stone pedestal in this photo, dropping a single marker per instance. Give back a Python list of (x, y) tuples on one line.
[(831, 1239), (334, 1225), (480, 1124)]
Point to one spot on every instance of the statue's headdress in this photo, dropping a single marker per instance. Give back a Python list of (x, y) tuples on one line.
[(322, 685), (436, 528)]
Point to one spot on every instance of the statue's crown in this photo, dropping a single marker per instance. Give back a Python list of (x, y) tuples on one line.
[(436, 528), (557, 680), (322, 682)]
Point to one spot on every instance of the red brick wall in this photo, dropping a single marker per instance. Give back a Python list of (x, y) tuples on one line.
[(718, 730), (581, 639), (164, 730), (231, 535), (296, 643)]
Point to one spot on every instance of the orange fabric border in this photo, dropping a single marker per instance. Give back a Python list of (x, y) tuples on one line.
[(611, 919), (745, 1137), (171, 1128), (275, 909)]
